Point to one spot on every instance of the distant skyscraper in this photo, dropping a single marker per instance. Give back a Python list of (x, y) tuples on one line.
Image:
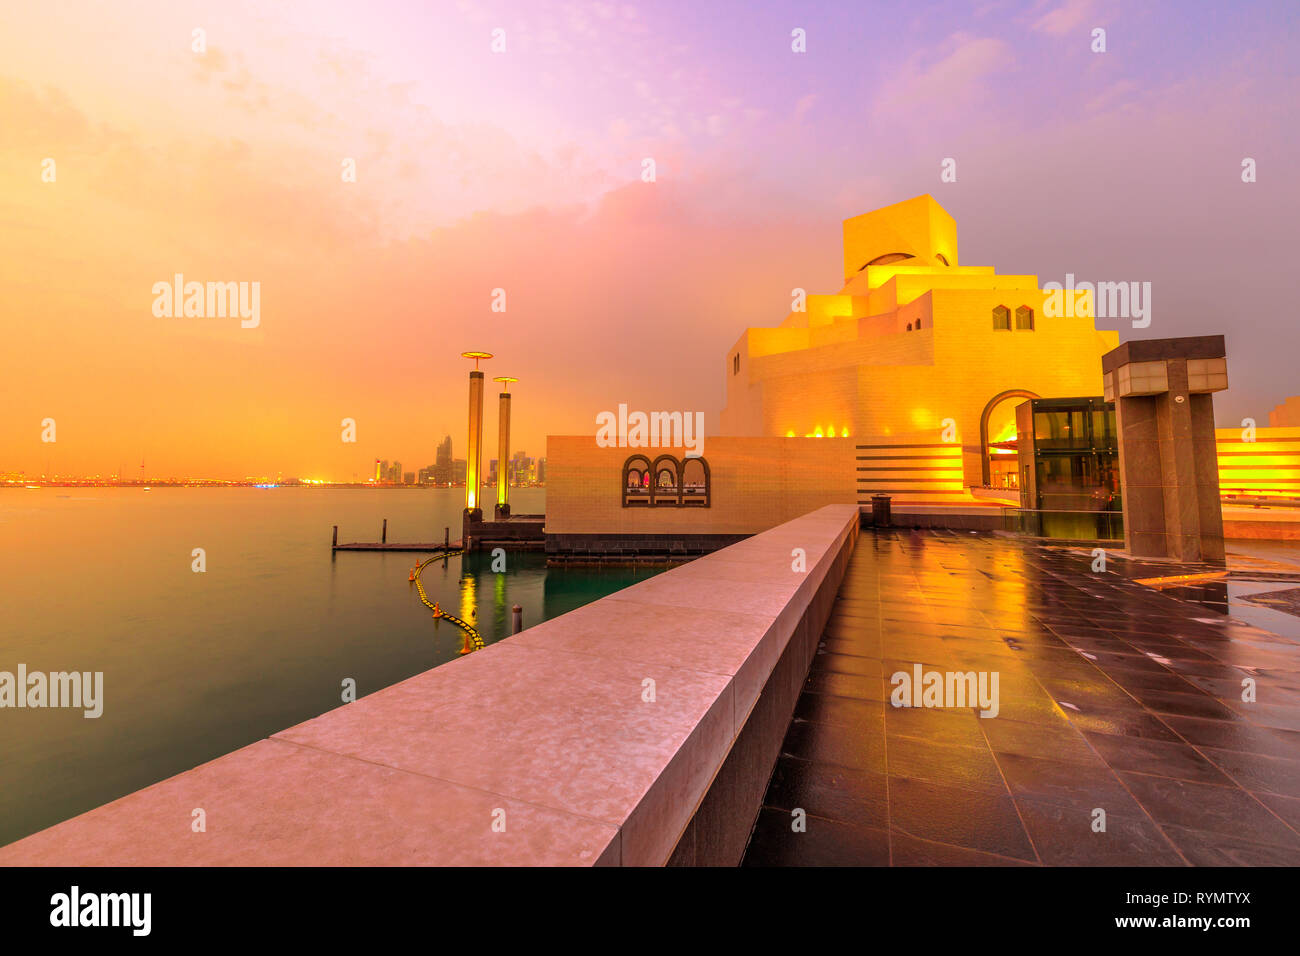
[(521, 469), (379, 471), (442, 469)]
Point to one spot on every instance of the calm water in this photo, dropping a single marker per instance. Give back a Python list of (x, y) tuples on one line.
[(197, 665)]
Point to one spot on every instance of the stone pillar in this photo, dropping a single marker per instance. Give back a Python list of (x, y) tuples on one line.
[(503, 449), (1169, 472), (474, 459), (503, 459)]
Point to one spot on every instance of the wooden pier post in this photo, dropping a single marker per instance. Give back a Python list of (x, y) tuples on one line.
[(446, 538), (383, 536), (334, 542), (518, 623)]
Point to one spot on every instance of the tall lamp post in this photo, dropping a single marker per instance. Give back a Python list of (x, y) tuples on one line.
[(474, 459), (503, 448)]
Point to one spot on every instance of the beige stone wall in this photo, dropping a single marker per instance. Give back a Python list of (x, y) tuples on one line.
[(1287, 414), (907, 345), (915, 468), (885, 384), (757, 483)]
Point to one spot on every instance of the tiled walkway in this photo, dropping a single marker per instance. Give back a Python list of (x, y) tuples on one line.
[(1113, 696)]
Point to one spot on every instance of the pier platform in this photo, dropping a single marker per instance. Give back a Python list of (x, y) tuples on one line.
[(639, 729), (432, 549)]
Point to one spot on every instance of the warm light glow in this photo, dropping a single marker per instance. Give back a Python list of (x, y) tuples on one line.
[(469, 606), (790, 433), (503, 443), (845, 432), (474, 456), (1263, 468)]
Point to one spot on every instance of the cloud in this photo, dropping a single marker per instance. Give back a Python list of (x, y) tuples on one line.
[(1065, 18), (951, 73), (1119, 94)]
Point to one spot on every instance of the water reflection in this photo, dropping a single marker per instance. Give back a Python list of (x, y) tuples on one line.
[(1213, 595), (487, 597), (198, 665)]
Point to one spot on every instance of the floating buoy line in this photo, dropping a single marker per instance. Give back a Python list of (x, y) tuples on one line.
[(473, 640)]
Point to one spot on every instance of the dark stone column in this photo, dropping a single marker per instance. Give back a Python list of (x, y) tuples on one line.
[(1164, 411), (1205, 454)]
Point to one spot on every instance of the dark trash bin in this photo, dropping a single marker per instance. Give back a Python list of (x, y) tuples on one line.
[(880, 517)]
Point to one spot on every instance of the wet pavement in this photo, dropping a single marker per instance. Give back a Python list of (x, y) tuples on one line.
[(1119, 706)]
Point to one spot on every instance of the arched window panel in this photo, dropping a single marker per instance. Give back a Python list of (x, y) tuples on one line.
[(695, 483), (886, 259), (1001, 317), (636, 482), (1025, 318), (665, 482)]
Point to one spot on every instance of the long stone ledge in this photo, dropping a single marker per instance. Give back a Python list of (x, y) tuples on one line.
[(542, 749)]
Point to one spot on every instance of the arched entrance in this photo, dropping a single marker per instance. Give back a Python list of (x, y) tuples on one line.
[(994, 402)]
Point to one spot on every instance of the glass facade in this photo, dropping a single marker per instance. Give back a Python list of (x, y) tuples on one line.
[(1068, 453)]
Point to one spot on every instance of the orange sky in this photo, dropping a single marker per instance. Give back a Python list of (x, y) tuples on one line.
[(478, 171)]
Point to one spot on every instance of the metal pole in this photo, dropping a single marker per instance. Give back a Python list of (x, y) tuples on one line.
[(383, 537), (446, 538)]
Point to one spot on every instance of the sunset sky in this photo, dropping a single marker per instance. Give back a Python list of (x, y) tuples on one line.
[(521, 170)]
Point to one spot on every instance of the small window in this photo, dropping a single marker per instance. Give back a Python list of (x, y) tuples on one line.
[(918, 325), (636, 482), (1001, 317), (665, 489), (667, 483), (735, 364), (695, 483), (1025, 318), (909, 326)]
